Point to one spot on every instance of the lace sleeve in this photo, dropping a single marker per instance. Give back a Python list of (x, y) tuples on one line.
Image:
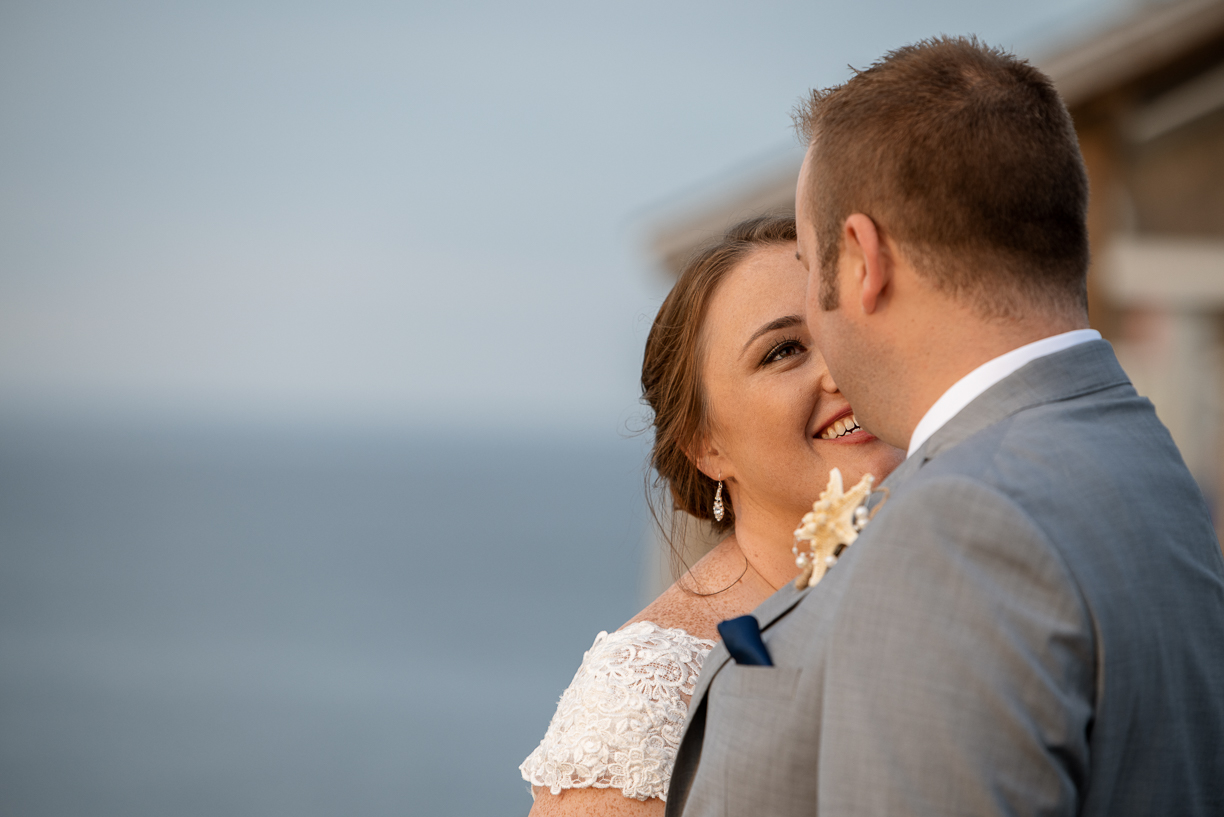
[(619, 722)]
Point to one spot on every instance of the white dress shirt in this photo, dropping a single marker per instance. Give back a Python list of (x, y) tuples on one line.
[(967, 389)]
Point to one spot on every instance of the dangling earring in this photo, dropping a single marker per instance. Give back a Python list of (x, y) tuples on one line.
[(718, 503)]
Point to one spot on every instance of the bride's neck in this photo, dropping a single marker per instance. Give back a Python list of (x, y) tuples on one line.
[(766, 541)]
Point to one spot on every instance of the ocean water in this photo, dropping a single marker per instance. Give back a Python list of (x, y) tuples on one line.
[(244, 622)]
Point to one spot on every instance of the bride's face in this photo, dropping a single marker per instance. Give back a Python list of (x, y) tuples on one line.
[(777, 421)]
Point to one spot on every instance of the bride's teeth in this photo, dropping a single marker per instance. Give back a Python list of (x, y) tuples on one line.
[(840, 428)]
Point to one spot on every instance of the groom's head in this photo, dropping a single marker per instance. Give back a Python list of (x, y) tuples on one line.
[(966, 156), (957, 162)]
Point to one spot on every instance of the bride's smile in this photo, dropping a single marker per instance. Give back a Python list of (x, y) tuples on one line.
[(845, 430)]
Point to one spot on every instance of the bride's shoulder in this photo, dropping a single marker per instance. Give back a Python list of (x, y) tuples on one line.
[(704, 595), (677, 610)]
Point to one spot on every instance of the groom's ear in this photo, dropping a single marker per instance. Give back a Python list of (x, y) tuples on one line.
[(870, 260)]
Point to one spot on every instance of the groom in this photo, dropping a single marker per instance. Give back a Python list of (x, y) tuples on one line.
[(1033, 622)]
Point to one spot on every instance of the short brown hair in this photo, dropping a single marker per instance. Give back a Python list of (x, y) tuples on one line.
[(967, 156), (671, 374)]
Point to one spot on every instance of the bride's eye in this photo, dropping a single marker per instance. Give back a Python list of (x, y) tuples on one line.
[(782, 349)]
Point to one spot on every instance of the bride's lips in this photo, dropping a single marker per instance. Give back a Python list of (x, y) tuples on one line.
[(843, 429)]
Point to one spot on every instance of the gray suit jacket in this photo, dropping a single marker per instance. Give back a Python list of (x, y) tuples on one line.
[(1033, 623)]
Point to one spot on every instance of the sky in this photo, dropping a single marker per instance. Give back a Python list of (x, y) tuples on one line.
[(426, 216)]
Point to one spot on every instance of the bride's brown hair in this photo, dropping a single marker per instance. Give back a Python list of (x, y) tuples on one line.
[(671, 376)]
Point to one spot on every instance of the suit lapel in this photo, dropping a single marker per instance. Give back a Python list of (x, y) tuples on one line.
[(779, 604), (901, 473)]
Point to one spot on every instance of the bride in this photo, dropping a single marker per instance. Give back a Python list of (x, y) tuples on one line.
[(747, 424)]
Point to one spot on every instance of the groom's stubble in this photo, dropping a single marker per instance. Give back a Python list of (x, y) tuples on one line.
[(861, 364)]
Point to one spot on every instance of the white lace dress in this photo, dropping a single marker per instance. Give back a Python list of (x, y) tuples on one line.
[(619, 722)]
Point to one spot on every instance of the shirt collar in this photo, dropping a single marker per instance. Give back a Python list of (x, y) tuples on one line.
[(969, 387)]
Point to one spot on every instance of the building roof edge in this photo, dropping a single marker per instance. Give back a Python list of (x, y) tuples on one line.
[(1146, 40)]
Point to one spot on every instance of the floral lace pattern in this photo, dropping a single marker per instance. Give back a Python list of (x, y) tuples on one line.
[(619, 722)]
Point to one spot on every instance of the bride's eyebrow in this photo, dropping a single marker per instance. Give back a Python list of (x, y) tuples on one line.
[(779, 323)]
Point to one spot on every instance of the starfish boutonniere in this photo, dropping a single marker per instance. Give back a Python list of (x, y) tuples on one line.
[(830, 527)]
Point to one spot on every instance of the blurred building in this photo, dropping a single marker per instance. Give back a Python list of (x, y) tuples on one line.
[(1147, 96)]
